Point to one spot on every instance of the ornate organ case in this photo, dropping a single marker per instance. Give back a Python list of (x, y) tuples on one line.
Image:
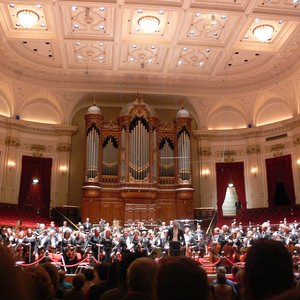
[(137, 169)]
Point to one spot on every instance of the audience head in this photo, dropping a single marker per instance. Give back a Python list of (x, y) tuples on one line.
[(12, 285), (268, 270), (78, 281), (125, 263), (88, 274), (38, 283), (181, 278), (102, 271), (53, 274), (141, 274)]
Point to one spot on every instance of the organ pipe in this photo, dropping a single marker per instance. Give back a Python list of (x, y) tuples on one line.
[(92, 159)]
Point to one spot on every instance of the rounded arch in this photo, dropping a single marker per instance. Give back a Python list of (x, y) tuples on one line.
[(6, 99), (42, 108), (223, 115), (271, 111)]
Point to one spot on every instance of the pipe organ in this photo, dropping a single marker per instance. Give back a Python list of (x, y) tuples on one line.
[(137, 168)]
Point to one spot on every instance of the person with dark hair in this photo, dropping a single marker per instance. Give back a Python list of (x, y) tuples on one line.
[(62, 284), (222, 290), (75, 293), (140, 279), (54, 277), (39, 284), (181, 278), (175, 237), (121, 290), (12, 283), (268, 270), (89, 275), (96, 290)]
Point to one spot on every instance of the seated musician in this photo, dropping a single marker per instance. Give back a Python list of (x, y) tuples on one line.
[(176, 238)]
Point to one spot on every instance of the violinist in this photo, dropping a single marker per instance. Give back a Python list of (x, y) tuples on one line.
[(29, 246), (95, 242), (136, 245), (107, 243)]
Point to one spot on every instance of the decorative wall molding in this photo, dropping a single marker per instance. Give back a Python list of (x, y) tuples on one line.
[(12, 142), (63, 147)]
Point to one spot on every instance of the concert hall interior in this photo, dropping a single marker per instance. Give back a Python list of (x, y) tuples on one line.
[(166, 130), (105, 116)]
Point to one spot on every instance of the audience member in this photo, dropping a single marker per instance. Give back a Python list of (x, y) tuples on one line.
[(268, 270), (38, 282), (54, 277), (120, 291), (98, 289), (89, 277), (12, 285), (62, 284), (140, 279), (222, 290), (181, 278), (75, 293)]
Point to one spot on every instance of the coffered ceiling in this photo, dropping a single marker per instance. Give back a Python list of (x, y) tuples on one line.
[(198, 45)]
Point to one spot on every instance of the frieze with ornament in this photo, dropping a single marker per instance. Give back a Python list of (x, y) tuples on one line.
[(204, 151), (110, 125), (166, 127), (253, 149), (37, 148), (63, 147), (12, 142)]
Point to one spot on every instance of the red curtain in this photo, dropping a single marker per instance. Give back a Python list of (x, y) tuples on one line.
[(233, 172), (36, 194), (279, 171)]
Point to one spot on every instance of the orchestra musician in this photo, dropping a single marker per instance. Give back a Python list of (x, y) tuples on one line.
[(95, 242), (176, 238), (107, 244)]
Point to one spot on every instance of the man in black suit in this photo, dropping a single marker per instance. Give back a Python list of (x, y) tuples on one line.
[(176, 238), (87, 225)]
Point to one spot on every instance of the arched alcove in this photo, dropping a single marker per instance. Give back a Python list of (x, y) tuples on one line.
[(273, 111)]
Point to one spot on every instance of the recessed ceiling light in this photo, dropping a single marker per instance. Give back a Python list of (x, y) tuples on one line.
[(180, 62), (197, 14), (246, 37), (137, 29), (192, 32), (208, 50), (223, 17), (134, 46), (101, 8), (76, 26), (215, 34), (74, 7), (101, 27), (257, 19), (140, 11), (77, 43), (280, 21), (131, 59), (38, 6), (101, 57), (18, 24), (150, 60), (185, 49), (153, 47), (43, 25), (201, 63), (79, 57), (101, 44), (12, 5)]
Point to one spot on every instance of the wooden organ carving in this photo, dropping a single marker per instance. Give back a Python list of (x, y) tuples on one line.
[(137, 169)]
